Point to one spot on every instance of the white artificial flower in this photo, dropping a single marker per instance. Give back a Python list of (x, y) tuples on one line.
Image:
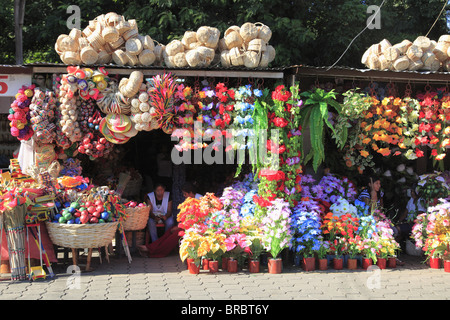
[(401, 167), (387, 173)]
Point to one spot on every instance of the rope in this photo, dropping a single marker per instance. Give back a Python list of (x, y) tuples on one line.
[(442, 10), (348, 47)]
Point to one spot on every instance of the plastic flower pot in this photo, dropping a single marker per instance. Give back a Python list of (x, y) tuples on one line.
[(447, 265), (366, 263), (205, 264), (381, 263), (275, 266), (323, 264), (309, 264), (338, 263), (193, 268), (253, 266), (232, 265), (213, 266), (352, 264), (392, 262), (435, 263)]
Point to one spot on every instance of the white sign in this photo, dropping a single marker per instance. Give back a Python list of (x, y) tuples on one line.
[(11, 83)]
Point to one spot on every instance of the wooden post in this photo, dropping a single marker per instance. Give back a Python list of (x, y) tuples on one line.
[(19, 13), (89, 257)]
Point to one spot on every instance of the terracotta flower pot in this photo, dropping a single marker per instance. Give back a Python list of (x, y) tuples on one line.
[(392, 262), (193, 268), (205, 264), (188, 261), (309, 264), (366, 263), (275, 266), (213, 266), (338, 263), (224, 263), (253, 266), (447, 265), (232, 265), (381, 263), (435, 263), (352, 264), (323, 264)]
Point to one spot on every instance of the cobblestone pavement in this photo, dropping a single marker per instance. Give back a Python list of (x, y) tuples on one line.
[(168, 279)]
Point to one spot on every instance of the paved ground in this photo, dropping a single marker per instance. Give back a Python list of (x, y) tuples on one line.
[(168, 279)]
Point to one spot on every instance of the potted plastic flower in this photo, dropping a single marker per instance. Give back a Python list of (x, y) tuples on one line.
[(353, 250), (324, 247), (276, 232), (192, 249), (216, 248), (306, 229)]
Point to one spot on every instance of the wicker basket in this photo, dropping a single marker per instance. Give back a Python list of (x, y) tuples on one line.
[(137, 218), (81, 236)]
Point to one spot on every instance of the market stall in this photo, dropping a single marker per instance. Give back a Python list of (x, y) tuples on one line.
[(298, 151)]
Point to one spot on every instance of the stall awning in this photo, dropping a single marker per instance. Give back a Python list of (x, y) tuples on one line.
[(210, 72), (368, 74)]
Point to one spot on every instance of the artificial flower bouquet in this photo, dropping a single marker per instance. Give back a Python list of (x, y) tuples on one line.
[(275, 227), (305, 232)]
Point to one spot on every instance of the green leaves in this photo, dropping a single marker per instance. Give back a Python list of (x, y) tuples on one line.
[(315, 115)]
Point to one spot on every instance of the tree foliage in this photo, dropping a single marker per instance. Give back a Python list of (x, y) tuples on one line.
[(304, 32)]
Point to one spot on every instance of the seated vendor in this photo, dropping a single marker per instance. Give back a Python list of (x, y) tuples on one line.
[(163, 246), (160, 202)]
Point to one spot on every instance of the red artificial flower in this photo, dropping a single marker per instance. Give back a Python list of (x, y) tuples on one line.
[(419, 153), (434, 152)]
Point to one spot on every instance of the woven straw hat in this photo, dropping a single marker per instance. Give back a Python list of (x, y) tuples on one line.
[(159, 49), (225, 59), (147, 42), (134, 46), (75, 34), (208, 36), (236, 57), (233, 39), (88, 55), (147, 57), (110, 34), (82, 42), (257, 45), (180, 60), (264, 32), (117, 44), (189, 38), (193, 58), (133, 60), (71, 57), (96, 40), (68, 44), (119, 57), (248, 31), (104, 57), (174, 47), (112, 19), (131, 33), (86, 32), (251, 59), (123, 26)]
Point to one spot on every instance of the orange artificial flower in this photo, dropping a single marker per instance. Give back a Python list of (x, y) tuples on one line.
[(364, 153), (374, 147), (440, 156), (437, 127), (366, 140), (384, 151)]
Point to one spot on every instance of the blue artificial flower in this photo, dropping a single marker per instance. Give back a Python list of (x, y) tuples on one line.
[(258, 93)]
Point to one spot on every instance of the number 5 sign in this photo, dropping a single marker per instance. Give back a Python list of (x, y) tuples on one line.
[(11, 83)]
